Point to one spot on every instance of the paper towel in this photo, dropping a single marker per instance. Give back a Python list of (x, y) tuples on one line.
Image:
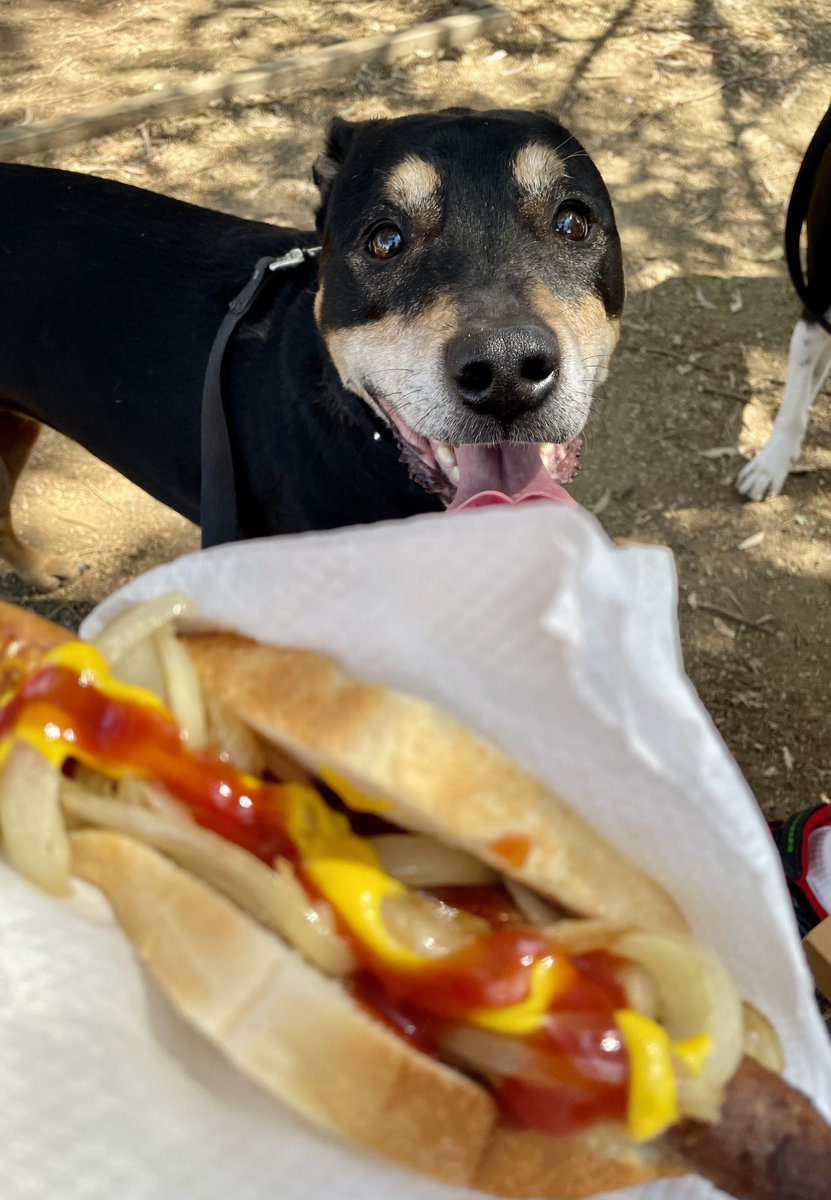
[(557, 646)]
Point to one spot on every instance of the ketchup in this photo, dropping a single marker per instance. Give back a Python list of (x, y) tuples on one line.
[(514, 848), (491, 901), (580, 1067), (492, 972), (110, 733)]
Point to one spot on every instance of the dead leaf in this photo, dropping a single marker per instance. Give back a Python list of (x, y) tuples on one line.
[(603, 502), (701, 217), (736, 304), (719, 452), (755, 539)]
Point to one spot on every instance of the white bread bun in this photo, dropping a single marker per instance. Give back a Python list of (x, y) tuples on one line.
[(300, 1035), (24, 637), (433, 773)]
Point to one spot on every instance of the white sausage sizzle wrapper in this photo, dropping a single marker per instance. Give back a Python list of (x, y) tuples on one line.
[(563, 650)]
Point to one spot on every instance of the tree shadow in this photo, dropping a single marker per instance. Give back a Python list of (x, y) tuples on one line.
[(15, 65)]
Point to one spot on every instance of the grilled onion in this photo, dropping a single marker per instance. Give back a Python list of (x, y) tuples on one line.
[(695, 995), (232, 740), (31, 820), (140, 623), (537, 910), (273, 897), (761, 1041), (422, 862), (429, 927), (182, 687), (489, 1054)]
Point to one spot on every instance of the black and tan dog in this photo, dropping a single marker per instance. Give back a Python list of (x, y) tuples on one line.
[(444, 352)]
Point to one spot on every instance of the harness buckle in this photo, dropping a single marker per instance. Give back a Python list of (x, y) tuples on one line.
[(293, 258)]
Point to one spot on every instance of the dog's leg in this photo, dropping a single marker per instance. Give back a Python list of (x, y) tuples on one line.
[(808, 365), (44, 572)]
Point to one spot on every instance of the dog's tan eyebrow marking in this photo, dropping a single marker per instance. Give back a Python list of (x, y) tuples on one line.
[(415, 186), (537, 167)]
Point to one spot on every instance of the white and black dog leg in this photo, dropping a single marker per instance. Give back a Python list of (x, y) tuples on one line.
[(808, 365)]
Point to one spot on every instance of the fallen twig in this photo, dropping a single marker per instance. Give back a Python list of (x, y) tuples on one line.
[(717, 611)]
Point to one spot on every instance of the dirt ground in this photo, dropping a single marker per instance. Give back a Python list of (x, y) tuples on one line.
[(697, 112)]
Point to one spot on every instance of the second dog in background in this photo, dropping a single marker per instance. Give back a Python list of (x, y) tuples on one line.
[(810, 355)]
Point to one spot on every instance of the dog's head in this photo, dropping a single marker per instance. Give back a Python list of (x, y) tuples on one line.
[(471, 288)]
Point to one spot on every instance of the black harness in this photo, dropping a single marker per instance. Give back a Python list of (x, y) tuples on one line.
[(798, 207), (219, 511)]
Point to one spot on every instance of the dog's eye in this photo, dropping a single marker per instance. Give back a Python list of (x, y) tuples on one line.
[(573, 222), (385, 241)]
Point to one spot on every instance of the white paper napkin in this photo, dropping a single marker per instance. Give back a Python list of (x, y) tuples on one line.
[(560, 648)]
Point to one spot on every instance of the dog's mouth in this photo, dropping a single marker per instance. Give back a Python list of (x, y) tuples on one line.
[(474, 475), (514, 472)]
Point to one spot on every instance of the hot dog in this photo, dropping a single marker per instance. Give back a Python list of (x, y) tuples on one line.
[(560, 1035)]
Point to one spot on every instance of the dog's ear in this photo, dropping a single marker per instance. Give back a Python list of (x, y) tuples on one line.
[(327, 165)]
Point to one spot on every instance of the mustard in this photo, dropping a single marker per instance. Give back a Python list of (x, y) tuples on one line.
[(693, 1051), (550, 976), (353, 796), (653, 1102), (348, 873), (57, 743)]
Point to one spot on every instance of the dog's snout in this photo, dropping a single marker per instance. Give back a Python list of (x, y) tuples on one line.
[(504, 371)]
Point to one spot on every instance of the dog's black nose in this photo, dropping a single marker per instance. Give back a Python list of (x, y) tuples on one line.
[(504, 371)]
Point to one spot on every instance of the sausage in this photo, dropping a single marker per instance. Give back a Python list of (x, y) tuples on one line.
[(770, 1142)]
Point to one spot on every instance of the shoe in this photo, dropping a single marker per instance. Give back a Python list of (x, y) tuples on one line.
[(792, 838)]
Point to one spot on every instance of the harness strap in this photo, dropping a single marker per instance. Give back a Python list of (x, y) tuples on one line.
[(798, 207), (219, 514)]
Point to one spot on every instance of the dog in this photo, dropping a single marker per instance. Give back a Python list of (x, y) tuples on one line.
[(809, 360), (443, 350)]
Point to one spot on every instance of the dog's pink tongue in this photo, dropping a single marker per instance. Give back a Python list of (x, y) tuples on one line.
[(509, 473)]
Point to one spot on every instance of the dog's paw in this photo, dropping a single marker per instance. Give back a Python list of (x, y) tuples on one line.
[(49, 572), (764, 476)]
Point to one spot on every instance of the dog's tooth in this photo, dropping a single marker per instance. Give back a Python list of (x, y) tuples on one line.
[(445, 455), (454, 474), (547, 454)]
